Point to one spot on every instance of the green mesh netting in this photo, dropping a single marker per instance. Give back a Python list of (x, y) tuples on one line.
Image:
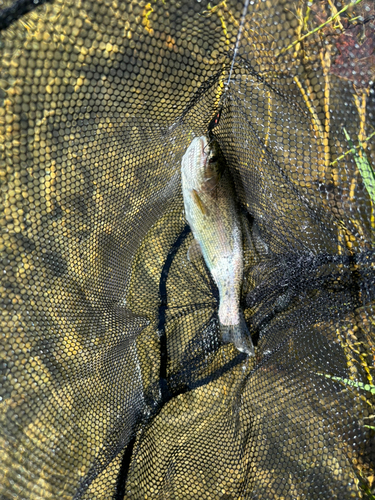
[(114, 379)]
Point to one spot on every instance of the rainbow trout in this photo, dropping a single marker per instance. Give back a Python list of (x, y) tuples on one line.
[(211, 213)]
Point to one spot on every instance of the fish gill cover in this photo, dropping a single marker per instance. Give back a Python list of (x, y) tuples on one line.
[(115, 382)]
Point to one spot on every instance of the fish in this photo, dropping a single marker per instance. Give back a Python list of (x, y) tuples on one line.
[(210, 210)]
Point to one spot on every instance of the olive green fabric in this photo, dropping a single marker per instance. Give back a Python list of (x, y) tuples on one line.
[(114, 381)]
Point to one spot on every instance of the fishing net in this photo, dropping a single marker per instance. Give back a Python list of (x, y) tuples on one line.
[(115, 381)]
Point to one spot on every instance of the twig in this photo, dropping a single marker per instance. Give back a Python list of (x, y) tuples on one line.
[(326, 64), (318, 28)]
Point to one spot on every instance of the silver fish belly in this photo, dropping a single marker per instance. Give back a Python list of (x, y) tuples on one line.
[(211, 213)]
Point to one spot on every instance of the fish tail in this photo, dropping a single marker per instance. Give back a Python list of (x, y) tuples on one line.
[(239, 335)]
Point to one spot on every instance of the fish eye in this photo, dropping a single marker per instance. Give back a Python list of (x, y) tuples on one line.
[(213, 159)]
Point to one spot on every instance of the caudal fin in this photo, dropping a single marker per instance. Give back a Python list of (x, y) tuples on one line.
[(239, 335)]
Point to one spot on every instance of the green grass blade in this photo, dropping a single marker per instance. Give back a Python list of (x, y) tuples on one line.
[(364, 167), (353, 383)]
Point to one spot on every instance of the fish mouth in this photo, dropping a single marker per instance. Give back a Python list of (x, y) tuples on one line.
[(203, 142), (203, 148), (195, 159)]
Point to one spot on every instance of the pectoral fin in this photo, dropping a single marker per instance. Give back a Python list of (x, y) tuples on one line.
[(194, 252), (198, 201)]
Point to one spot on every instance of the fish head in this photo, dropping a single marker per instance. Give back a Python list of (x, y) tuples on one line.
[(202, 167), (194, 161), (214, 168)]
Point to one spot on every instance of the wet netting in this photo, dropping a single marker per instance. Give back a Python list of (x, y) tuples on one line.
[(115, 382)]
